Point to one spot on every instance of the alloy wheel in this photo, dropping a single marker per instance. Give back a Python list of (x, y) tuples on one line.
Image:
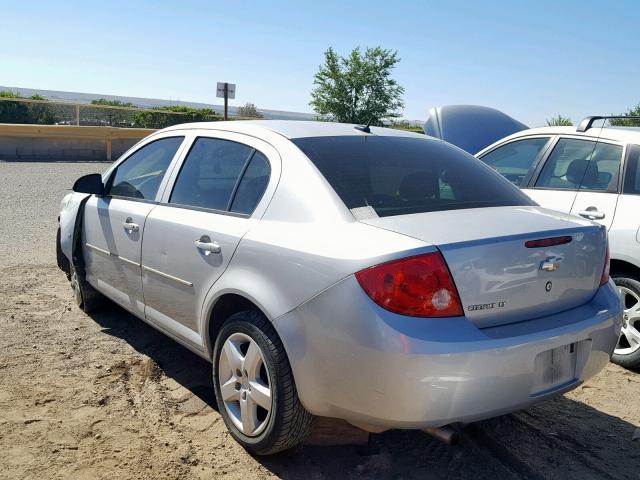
[(244, 384), (629, 341)]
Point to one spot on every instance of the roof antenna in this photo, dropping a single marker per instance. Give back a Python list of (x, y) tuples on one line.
[(365, 128)]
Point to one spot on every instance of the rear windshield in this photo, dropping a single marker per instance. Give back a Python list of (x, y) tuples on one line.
[(402, 175)]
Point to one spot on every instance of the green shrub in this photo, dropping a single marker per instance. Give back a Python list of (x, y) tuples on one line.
[(24, 112), (162, 117)]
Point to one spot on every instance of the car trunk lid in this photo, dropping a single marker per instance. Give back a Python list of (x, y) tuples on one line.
[(501, 280)]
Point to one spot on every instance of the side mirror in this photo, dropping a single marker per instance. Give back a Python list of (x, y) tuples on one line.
[(91, 183)]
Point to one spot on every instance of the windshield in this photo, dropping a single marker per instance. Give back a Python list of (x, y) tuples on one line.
[(403, 175)]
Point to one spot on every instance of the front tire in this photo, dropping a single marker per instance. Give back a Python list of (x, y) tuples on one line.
[(254, 386), (627, 351), (86, 297)]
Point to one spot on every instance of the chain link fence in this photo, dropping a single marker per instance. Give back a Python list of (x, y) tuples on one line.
[(44, 112)]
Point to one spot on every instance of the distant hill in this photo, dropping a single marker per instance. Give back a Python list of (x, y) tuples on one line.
[(77, 97)]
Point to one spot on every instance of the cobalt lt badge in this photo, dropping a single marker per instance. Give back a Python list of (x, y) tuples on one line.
[(548, 286)]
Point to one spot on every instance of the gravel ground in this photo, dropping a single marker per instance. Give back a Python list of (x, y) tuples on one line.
[(29, 202), (106, 396)]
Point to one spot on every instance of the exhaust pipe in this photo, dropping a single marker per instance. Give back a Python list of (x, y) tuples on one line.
[(445, 434)]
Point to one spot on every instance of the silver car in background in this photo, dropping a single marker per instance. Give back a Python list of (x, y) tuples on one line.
[(367, 274)]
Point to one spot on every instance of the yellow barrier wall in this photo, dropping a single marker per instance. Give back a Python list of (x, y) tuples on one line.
[(66, 142)]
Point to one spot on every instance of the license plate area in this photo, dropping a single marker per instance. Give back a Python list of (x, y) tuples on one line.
[(555, 368)]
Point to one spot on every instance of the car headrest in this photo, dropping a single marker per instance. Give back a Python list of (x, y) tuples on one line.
[(581, 171), (418, 185)]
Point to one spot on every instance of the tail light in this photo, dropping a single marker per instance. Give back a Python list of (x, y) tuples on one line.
[(419, 286), (607, 265)]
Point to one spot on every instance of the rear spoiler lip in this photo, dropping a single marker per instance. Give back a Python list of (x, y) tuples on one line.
[(569, 231)]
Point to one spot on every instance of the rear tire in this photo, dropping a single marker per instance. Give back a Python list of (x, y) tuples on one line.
[(261, 426), (86, 297), (627, 352)]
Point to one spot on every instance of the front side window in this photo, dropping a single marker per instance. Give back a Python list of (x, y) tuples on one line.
[(581, 164), (140, 175), (209, 173), (515, 159), (403, 175)]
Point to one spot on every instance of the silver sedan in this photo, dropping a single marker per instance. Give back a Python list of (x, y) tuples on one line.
[(381, 277)]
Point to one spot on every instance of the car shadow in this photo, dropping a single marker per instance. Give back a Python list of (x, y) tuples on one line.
[(177, 362), (560, 437)]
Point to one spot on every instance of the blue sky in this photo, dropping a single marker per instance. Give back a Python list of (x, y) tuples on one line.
[(532, 60)]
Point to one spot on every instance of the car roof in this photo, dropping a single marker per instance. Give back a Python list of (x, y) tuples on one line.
[(619, 134), (292, 129)]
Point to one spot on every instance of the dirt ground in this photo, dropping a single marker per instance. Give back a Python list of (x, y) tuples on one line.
[(106, 396)]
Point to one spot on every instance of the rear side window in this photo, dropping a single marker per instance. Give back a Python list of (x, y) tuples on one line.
[(581, 164), (209, 173), (252, 185), (403, 175), (140, 175), (515, 159), (632, 174)]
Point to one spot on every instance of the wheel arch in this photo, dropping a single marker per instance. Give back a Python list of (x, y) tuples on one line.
[(622, 267), (224, 306)]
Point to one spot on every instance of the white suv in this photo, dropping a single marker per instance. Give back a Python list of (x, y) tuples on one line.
[(591, 172)]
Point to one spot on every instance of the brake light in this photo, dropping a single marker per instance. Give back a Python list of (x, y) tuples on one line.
[(547, 242), (607, 265), (419, 286)]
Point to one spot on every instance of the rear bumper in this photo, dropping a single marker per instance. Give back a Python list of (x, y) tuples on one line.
[(355, 361)]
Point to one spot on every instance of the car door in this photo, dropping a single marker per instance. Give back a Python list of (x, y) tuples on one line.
[(190, 238), (114, 223), (624, 236), (598, 194), (556, 182), (517, 159)]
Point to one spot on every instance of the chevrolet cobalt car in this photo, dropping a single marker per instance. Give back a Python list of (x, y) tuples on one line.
[(376, 276)]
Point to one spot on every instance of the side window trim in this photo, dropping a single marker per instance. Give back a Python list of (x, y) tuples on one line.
[(254, 143)]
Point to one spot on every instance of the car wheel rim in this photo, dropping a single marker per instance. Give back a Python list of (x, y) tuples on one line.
[(629, 341), (244, 384), (75, 286)]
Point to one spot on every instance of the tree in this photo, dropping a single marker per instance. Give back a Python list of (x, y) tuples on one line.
[(559, 121), (249, 110), (632, 112), (358, 88)]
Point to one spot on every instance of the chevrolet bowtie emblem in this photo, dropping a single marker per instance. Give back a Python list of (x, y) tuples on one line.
[(550, 264)]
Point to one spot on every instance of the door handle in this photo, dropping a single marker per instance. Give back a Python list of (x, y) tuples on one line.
[(130, 226), (207, 246), (592, 214)]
